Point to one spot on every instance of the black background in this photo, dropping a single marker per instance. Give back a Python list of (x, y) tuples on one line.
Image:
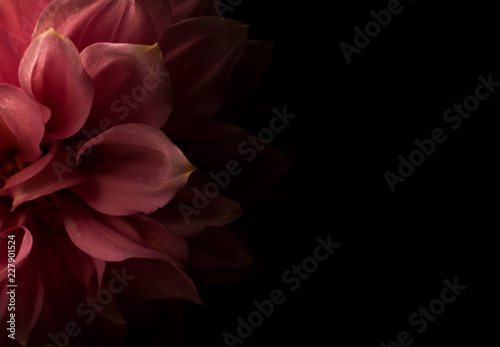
[(354, 121)]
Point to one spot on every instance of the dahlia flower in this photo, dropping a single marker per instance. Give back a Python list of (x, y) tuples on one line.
[(106, 107)]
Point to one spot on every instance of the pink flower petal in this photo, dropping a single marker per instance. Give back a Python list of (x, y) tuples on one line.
[(201, 53), (18, 19), (87, 22), (51, 71), (10, 60), (132, 85), (21, 124), (103, 237), (160, 13), (134, 168)]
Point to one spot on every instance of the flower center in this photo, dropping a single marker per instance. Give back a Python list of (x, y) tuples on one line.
[(8, 168)]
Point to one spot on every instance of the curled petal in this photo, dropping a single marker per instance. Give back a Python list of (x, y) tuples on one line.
[(87, 22), (51, 71), (21, 125), (10, 60), (132, 85), (201, 54), (53, 172), (133, 168)]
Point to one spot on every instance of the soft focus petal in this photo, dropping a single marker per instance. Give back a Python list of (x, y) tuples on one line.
[(218, 255), (18, 19), (51, 71), (209, 143), (184, 9), (157, 279), (10, 60), (87, 22), (21, 125), (200, 54), (134, 168), (190, 212), (132, 85), (252, 65), (103, 237), (160, 13), (159, 237)]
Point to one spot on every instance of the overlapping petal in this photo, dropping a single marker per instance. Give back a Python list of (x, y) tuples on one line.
[(184, 9), (134, 168), (160, 13), (131, 83), (18, 19), (87, 22), (21, 125), (200, 53), (158, 279), (51, 71), (53, 172), (191, 211), (10, 60), (104, 237)]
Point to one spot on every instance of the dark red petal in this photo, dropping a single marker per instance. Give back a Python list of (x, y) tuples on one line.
[(160, 13), (134, 168), (184, 9), (200, 53), (192, 211)]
